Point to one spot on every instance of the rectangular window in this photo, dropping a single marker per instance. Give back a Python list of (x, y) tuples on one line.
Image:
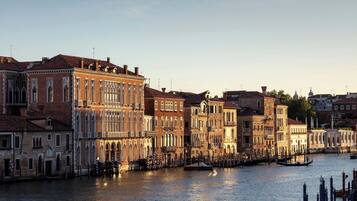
[(78, 89), (86, 90), (49, 137), (162, 105), (30, 163), (156, 105), (17, 164), (68, 161), (92, 93), (67, 142), (17, 141), (58, 140)]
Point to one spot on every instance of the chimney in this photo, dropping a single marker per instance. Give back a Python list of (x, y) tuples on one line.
[(96, 65), (163, 89), (136, 70), (108, 59), (264, 90), (44, 59), (1, 60), (81, 63), (125, 69)]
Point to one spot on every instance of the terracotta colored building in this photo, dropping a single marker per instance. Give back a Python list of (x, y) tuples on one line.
[(168, 112), (102, 102)]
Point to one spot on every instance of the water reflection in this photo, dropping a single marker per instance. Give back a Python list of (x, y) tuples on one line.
[(259, 183)]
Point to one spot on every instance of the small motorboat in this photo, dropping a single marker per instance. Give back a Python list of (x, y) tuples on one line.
[(199, 166), (353, 156), (296, 163)]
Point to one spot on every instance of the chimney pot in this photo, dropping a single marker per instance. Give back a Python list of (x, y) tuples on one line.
[(81, 63), (108, 59), (125, 69), (96, 65), (136, 70), (264, 89), (163, 90)]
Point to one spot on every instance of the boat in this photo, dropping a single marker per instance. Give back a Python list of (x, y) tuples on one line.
[(353, 156), (284, 159), (199, 166), (295, 164)]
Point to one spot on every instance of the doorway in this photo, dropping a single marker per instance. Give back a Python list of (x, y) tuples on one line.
[(7, 167), (48, 168)]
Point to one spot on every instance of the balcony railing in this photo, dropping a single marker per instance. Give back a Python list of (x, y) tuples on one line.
[(230, 123), (114, 134), (168, 149)]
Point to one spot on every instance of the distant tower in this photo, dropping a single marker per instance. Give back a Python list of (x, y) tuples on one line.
[(296, 96), (311, 93)]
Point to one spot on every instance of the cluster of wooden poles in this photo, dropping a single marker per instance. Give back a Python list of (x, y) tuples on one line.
[(347, 194)]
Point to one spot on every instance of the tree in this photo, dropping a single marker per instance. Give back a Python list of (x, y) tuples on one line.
[(297, 108)]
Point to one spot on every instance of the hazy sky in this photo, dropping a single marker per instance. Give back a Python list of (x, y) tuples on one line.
[(198, 44)]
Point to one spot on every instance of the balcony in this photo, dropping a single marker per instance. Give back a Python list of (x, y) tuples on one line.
[(169, 128), (168, 149), (86, 103), (150, 133), (113, 135), (230, 123), (211, 129)]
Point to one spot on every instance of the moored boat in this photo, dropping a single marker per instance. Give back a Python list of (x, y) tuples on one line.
[(353, 156), (295, 164), (199, 166)]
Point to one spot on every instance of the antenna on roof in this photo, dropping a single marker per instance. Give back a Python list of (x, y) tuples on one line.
[(171, 83), (11, 50), (93, 52), (158, 83)]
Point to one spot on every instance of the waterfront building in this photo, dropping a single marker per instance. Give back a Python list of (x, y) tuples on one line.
[(149, 129), (35, 148), (102, 102), (260, 104), (195, 129), (230, 128), (297, 137), (215, 127), (251, 134), (345, 111), (316, 140), (340, 140), (168, 112), (332, 140), (13, 95), (281, 131)]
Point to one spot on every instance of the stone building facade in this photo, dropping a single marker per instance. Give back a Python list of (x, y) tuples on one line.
[(297, 137), (168, 112), (260, 104), (251, 135), (281, 131), (34, 148), (230, 128)]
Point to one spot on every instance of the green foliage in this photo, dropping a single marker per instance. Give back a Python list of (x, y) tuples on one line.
[(299, 108)]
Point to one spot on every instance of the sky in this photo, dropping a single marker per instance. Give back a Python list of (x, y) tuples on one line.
[(197, 45)]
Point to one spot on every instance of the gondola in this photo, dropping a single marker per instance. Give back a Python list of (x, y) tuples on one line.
[(353, 156), (295, 164), (284, 159)]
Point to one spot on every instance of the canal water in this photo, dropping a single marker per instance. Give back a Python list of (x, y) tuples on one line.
[(258, 183)]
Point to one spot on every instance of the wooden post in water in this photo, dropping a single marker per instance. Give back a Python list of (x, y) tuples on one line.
[(343, 186), (305, 196), (331, 189)]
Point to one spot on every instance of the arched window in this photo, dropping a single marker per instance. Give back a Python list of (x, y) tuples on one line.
[(23, 95), (58, 163), (65, 94), (49, 94)]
